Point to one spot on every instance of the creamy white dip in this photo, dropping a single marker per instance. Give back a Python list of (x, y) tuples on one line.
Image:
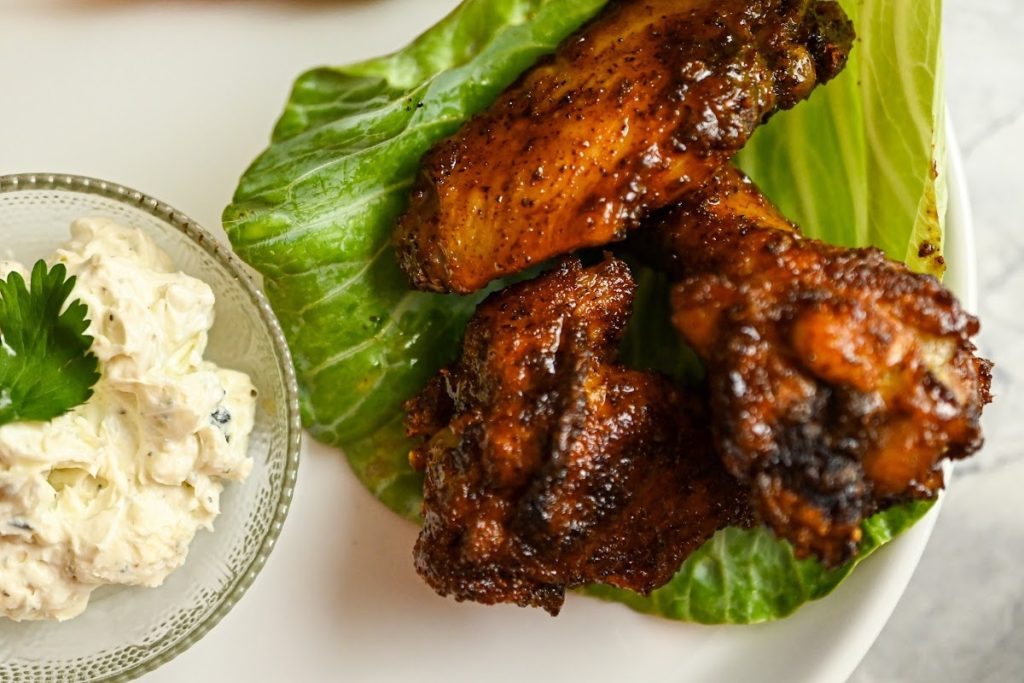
[(114, 491)]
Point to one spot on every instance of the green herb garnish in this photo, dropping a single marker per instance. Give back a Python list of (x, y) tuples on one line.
[(46, 367)]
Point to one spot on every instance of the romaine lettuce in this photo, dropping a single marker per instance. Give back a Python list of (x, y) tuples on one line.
[(861, 162)]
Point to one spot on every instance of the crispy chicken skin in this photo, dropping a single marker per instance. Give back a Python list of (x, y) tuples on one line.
[(641, 106), (547, 465), (839, 378)]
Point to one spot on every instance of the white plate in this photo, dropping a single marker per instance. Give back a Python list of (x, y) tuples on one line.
[(175, 98)]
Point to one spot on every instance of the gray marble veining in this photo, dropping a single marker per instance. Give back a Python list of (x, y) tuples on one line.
[(962, 618)]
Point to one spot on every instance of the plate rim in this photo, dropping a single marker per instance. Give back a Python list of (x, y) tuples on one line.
[(900, 558)]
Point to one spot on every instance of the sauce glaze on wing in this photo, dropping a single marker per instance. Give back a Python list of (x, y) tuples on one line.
[(839, 379), (547, 465), (640, 107)]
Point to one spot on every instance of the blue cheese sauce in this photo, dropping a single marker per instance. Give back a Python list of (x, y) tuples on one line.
[(114, 491)]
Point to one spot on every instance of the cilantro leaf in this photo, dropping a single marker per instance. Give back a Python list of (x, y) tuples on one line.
[(46, 367)]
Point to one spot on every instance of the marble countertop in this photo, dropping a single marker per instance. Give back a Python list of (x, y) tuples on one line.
[(962, 618)]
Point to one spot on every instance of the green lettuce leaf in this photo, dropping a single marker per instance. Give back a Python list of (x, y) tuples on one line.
[(861, 163), (314, 215), (745, 576), (652, 319)]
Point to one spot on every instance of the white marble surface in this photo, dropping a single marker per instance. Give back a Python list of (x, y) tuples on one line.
[(962, 618)]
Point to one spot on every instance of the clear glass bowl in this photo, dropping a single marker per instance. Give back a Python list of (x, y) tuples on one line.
[(128, 631)]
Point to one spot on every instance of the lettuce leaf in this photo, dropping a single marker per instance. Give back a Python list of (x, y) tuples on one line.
[(314, 215), (861, 163), (746, 576)]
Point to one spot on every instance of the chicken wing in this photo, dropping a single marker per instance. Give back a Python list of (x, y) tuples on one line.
[(839, 378), (548, 466), (643, 105)]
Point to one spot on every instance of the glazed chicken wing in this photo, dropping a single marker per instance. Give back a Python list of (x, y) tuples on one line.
[(839, 378), (643, 105), (547, 465)]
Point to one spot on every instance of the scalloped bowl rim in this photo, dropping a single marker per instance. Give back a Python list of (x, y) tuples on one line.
[(223, 255)]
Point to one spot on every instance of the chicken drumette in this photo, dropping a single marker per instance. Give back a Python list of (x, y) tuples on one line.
[(839, 379), (547, 465), (640, 107)]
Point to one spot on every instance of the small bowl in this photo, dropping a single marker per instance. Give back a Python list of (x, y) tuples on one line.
[(128, 631)]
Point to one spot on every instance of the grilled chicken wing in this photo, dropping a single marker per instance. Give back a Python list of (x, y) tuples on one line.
[(643, 105), (547, 465), (839, 378)]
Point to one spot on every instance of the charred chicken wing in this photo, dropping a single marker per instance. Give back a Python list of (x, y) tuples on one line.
[(643, 105), (547, 465), (839, 378)]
